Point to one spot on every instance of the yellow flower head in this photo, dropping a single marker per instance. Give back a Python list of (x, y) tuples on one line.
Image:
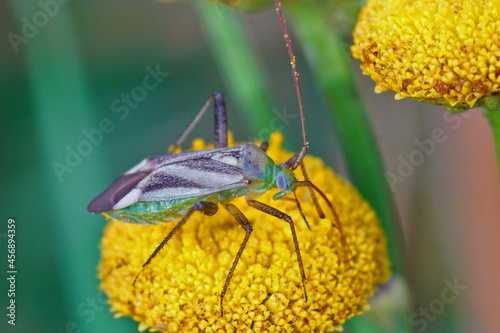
[(180, 290), (446, 52)]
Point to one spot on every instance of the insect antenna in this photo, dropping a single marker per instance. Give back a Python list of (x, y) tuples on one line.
[(305, 145), (337, 223), (296, 160)]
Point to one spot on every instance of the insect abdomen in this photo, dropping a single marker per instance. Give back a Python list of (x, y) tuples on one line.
[(155, 212)]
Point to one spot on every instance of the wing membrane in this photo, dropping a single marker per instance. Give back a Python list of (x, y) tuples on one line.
[(190, 178), (174, 176)]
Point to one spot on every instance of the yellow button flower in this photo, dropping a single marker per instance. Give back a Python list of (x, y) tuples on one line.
[(180, 290), (446, 52)]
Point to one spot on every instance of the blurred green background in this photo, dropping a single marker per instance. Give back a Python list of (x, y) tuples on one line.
[(74, 71)]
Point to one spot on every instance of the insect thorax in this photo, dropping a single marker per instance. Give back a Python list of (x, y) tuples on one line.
[(259, 169)]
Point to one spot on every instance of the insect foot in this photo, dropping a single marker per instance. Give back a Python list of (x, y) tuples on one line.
[(180, 290)]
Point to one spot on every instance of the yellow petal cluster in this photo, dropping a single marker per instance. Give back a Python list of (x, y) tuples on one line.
[(446, 52), (180, 290)]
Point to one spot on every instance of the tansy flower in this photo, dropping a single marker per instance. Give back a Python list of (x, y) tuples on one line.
[(180, 290), (446, 52)]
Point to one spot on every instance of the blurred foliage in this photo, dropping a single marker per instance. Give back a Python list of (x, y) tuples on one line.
[(76, 70)]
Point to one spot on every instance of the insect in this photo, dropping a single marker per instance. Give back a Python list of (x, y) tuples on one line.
[(172, 187)]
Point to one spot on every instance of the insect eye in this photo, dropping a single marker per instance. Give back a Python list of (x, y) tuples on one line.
[(281, 183)]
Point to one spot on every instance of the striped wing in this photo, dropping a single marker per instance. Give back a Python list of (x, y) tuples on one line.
[(174, 176)]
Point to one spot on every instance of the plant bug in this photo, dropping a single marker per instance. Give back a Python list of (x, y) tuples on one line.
[(174, 186)]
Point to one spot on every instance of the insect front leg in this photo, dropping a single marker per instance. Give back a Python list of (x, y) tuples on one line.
[(207, 208), (299, 207), (336, 217), (243, 221), (220, 118), (313, 195), (282, 216), (290, 163)]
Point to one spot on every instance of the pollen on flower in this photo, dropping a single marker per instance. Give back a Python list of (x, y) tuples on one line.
[(446, 52), (180, 290)]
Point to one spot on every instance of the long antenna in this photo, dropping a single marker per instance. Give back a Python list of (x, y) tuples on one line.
[(305, 145)]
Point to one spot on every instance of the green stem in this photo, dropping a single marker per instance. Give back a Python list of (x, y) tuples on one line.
[(328, 57), (494, 118), (63, 108), (238, 64)]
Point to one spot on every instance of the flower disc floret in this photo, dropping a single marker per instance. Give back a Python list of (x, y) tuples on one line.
[(180, 290), (446, 52)]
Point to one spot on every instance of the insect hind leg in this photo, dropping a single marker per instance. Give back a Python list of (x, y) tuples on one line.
[(220, 120), (207, 208), (220, 117)]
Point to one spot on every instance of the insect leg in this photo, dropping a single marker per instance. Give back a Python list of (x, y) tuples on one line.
[(338, 224), (282, 216), (207, 208), (299, 207), (243, 221), (289, 164), (195, 121), (220, 122), (313, 195)]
